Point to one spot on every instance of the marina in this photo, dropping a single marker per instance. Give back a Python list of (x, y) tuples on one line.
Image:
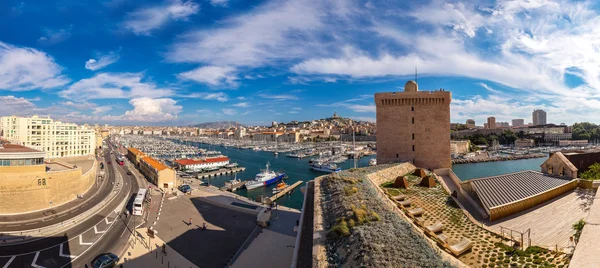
[(222, 171), (283, 192)]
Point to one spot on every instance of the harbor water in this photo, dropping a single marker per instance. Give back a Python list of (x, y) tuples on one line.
[(296, 170), (486, 169)]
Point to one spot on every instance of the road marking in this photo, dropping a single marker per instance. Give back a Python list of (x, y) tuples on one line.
[(108, 222), (9, 261), (96, 230), (60, 253), (37, 254), (82, 243)]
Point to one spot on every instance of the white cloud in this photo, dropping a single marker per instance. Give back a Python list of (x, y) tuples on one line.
[(297, 109), (144, 20), (267, 33), (278, 96), (101, 110), (79, 105), (23, 68), (55, 36), (212, 75), (293, 112), (102, 61), (219, 2), (219, 96), (229, 111), (114, 86), (242, 104), (148, 110), (351, 104), (12, 105), (241, 98)]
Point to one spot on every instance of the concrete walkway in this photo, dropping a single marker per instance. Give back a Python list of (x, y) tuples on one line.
[(274, 246), (587, 252), (147, 252)]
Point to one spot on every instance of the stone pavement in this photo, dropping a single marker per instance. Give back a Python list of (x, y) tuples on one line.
[(146, 252)]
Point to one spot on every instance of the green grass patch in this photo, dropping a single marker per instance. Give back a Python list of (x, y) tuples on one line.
[(393, 192), (388, 184)]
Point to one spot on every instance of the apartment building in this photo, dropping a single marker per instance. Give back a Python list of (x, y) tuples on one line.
[(55, 138)]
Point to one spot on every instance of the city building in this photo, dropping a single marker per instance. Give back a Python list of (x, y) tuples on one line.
[(470, 123), (413, 126), (518, 122), (539, 117), (30, 183), (502, 125), (491, 123), (558, 136), (55, 138), (266, 136), (198, 164), (573, 142), (158, 173), (524, 143), (240, 133)]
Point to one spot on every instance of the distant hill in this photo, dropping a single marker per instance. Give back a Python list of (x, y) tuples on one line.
[(217, 125)]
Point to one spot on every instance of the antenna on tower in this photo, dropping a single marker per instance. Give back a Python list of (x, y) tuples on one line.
[(416, 77)]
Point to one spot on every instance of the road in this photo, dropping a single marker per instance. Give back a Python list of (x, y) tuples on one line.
[(80, 244)]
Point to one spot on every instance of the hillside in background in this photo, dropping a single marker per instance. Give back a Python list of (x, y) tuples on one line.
[(218, 125)]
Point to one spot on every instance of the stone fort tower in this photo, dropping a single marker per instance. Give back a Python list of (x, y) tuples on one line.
[(414, 126)]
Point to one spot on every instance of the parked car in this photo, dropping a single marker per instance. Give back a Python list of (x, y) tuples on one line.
[(129, 172), (185, 188), (105, 260)]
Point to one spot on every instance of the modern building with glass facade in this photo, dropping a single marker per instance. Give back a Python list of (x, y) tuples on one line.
[(54, 138)]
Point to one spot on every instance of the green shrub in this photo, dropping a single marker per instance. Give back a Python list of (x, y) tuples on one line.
[(360, 214), (536, 250), (351, 223), (375, 216), (349, 190), (339, 229)]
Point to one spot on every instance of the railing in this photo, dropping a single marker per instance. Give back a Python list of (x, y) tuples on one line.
[(20, 237)]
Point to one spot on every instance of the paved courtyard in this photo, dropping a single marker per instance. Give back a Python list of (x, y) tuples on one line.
[(227, 229), (551, 222)]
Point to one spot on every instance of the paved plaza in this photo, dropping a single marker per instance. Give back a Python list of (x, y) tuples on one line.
[(227, 230), (550, 223)]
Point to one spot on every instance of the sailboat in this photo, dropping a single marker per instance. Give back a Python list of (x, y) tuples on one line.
[(276, 147)]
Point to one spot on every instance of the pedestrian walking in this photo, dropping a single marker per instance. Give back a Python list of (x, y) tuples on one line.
[(190, 222), (204, 226)]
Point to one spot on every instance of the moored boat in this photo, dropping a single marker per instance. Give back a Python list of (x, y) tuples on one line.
[(265, 178)]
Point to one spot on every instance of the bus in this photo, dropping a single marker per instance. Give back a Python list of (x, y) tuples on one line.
[(138, 203)]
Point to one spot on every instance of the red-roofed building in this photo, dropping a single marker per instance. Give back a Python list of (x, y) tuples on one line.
[(197, 164)]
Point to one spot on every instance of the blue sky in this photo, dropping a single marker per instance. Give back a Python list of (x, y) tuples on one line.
[(177, 62)]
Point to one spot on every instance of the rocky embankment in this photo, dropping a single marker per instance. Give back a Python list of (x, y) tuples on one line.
[(497, 158)]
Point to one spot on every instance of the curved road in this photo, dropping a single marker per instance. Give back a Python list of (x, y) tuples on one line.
[(80, 244)]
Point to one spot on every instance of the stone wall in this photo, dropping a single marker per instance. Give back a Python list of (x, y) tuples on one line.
[(390, 173), (29, 188), (415, 127)]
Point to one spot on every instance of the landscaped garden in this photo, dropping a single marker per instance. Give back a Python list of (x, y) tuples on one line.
[(488, 249)]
